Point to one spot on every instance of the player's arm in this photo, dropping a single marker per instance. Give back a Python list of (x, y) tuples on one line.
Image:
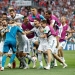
[(43, 36), (42, 17), (52, 23), (30, 31), (70, 31), (69, 34)]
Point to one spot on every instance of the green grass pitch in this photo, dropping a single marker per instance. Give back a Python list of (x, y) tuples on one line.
[(70, 70)]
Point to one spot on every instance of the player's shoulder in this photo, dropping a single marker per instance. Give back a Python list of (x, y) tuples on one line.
[(47, 27), (8, 16), (19, 15)]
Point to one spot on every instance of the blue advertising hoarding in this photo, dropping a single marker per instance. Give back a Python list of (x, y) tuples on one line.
[(70, 46)]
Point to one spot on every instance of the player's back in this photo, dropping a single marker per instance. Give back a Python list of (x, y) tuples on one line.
[(11, 35)]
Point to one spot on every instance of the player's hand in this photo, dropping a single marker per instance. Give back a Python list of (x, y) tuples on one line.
[(41, 30), (6, 30)]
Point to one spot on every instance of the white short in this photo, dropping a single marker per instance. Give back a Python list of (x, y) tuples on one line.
[(62, 44), (1, 46), (26, 48), (43, 47), (52, 42), (24, 44), (33, 40)]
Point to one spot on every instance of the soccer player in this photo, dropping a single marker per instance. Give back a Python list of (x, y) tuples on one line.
[(4, 17), (63, 39), (14, 16), (34, 14), (10, 42), (43, 44), (27, 26), (54, 22), (18, 18)]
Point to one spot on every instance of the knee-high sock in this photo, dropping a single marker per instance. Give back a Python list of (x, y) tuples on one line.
[(40, 58), (12, 58), (4, 60), (23, 61)]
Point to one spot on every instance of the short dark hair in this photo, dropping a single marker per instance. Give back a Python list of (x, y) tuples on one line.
[(33, 7), (11, 10), (49, 12), (37, 19), (4, 14), (25, 17), (44, 21)]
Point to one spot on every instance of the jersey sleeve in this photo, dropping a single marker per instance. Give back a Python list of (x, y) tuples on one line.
[(46, 30), (52, 22), (42, 17), (19, 29), (32, 30), (32, 23)]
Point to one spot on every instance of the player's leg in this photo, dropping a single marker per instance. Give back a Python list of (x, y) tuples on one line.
[(60, 50), (35, 45), (23, 60), (58, 58), (5, 51), (40, 49), (13, 47), (49, 58)]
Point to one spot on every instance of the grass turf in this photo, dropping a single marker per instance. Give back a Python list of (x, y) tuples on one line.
[(70, 70)]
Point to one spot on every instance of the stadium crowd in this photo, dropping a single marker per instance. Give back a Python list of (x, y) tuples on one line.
[(29, 32)]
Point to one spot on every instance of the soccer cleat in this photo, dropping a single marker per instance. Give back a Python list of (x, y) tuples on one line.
[(34, 66), (27, 67), (40, 67), (65, 65), (20, 67), (47, 68), (2, 69), (55, 64), (9, 65)]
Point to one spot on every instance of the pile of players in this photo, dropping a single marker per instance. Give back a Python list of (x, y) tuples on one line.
[(33, 37)]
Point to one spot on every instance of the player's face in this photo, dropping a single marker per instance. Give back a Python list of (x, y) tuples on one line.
[(43, 25), (36, 23), (26, 20), (4, 23), (63, 19), (12, 13), (33, 11), (4, 17), (47, 15)]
